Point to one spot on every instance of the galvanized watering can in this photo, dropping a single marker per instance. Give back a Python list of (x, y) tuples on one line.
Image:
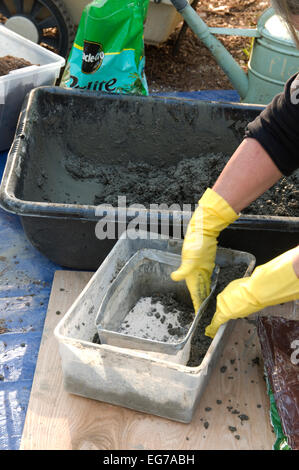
[(273, 59)]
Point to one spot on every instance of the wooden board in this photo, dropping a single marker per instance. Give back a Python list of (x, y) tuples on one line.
[(58, 420)]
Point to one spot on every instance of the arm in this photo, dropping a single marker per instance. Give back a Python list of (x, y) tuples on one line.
[(247, 175), (269, 151)]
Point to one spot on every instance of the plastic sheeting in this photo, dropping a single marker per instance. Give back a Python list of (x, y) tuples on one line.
[(207, 95), (25, 283)]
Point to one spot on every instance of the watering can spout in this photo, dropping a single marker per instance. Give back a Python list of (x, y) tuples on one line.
[(236, 74)]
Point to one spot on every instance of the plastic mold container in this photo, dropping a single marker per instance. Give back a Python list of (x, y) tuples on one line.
[(14, 86), (125, 377), (147, 272)]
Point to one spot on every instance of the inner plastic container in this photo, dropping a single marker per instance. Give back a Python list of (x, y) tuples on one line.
[(58, 124), (123, 376), (147, 272)]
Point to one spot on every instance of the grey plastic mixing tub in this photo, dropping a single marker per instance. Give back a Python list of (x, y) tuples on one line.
[(125, 377), (59, 126)]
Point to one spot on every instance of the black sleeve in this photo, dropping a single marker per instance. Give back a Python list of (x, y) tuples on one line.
[(277, 128)]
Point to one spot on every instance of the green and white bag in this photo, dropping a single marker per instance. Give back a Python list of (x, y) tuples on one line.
[(108, 52)]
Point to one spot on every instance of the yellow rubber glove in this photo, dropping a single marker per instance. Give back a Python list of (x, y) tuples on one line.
[(211, 216), (270, 284)]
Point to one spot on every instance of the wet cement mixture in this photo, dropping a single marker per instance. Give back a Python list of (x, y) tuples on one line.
[(200, 342), (9, 63), (184, 183)]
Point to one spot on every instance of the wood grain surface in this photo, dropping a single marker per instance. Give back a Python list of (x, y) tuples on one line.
[(232, 414)]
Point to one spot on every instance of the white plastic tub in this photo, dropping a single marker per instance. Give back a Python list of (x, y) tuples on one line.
[(161, 21), (15, 85), (125, 377)]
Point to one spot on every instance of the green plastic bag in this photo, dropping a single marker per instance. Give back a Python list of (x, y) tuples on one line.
[(281, 442), (108, 52)]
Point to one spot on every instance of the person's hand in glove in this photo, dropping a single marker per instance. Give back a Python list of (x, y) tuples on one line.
[(270, 284), (212, 215)]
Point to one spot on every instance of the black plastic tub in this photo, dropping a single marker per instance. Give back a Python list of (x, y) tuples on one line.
[(109, 129)]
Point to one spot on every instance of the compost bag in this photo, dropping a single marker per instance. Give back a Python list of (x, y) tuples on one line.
[(108, 52), (279, 339)]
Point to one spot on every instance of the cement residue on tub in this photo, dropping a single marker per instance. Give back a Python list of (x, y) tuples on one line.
[(158, 318)]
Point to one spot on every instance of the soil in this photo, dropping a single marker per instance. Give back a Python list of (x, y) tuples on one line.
[(9, 63), (180, 184), (194, 68)]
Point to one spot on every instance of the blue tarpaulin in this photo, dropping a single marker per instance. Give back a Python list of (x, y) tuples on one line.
[(25, 283)]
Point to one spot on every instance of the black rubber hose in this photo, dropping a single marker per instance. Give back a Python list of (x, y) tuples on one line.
[(179, 4)]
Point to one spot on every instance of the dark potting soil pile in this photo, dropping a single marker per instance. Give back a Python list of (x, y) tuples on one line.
[(193, 67), (9, 63), (184, 183)]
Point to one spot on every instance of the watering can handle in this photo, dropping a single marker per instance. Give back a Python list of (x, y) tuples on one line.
[(179, 4), (231, 68)]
